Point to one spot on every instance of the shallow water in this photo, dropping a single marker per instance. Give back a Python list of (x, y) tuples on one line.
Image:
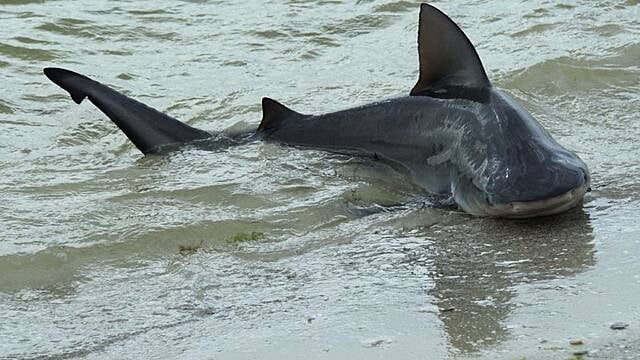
[(91, 232)]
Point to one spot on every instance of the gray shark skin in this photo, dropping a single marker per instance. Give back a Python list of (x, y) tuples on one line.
[(455, 134)]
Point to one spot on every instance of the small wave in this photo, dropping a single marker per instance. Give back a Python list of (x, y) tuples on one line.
[(22, 2), (568, 74), (6, 108), (537, 13), (358, 25), (150, 12), (27, 53), (28, 40), (538, 28), (46, 269), (396, 7), (87, 29), (85, 133), (60, 266)]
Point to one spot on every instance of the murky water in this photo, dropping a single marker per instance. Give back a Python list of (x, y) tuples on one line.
[(95, 238)]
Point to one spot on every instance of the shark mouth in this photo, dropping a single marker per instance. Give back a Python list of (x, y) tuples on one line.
[(476, 202), (539, 208)]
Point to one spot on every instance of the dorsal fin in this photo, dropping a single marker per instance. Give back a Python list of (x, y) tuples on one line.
[(449, 64), (273, 113)]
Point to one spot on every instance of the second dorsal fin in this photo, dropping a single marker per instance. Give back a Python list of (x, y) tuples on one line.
[(273, 113), (449, 64)]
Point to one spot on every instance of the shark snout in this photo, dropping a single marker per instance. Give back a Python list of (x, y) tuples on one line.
[(566, 192), (528, 198)]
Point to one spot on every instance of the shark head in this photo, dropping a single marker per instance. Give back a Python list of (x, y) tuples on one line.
[(521, 171), (529, 190), (526, 173)]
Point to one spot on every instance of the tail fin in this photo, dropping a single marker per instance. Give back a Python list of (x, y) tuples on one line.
[(273, 113), (145, 127)]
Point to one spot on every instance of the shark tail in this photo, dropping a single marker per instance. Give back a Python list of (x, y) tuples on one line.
[(147, 128)]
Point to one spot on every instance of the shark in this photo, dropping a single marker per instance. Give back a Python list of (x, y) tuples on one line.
[(454, 134)]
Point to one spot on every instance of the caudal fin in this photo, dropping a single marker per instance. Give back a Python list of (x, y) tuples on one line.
[(147, 128)]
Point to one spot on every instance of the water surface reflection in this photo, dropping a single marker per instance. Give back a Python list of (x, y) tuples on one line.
[(479, 266)]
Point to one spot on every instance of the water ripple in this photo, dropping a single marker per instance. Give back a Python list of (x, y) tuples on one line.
[(106, 250)]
